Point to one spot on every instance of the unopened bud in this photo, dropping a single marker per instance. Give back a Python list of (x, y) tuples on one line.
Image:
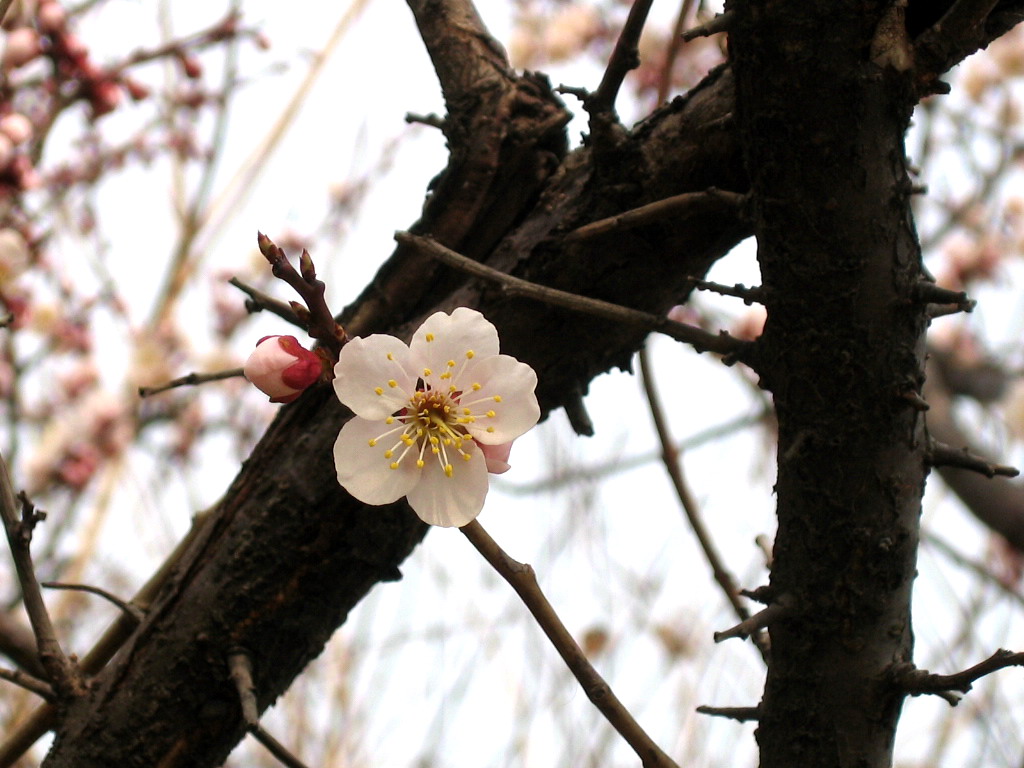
[(22, 46), (282, 368)]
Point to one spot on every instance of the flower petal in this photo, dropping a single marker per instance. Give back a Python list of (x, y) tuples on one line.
[(363, 471), (497, 457), (506, 389), (373, 376), (445, 337), (451, 502)]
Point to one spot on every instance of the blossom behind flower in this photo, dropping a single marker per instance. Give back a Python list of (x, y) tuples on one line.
[(423, 411)]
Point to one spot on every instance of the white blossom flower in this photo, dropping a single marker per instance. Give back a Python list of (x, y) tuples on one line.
[(424, 411)]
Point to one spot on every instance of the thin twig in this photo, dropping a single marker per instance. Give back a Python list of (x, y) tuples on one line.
[(240, 669), (276, 748), (719, 23), (522, 579), (918, 681), (720, 343), (259, 301), (671, 459), (29, 682), (61, 671), (625, 57), (675, 207), (929, 293), (322, 325), (21, 739), (942, 455), (191, 379), (674, 44), (128, 608), (740, 714), (758, 621), (738, 290)]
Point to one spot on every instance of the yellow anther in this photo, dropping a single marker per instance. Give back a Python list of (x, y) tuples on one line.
[(452, 388), (447, 409), (446, 375), (490, 414), (419, 463), (466, 456), (433, 440), (388, 453), (378, 390), (435, 450), (451, 363), (392, 383), (390, 356), (427, 371), (389, 420), (448, 469), (497, 398), (406, 439), (394, 465), (466, 411), (430, 337), (490, 429), (470, 354), (476, 387), (373, 441)]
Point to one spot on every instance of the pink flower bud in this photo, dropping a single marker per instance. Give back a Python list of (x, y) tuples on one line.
[(282, 368), (51, 17), (22, 46), (16, 127)]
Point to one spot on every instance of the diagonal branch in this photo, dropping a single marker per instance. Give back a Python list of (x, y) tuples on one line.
[(521, 578), (720, 343)]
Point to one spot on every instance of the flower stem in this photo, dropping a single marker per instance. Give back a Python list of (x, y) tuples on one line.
[(522, 579)]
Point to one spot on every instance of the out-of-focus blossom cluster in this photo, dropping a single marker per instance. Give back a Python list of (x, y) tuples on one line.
[(75, 344), (1004, 59)]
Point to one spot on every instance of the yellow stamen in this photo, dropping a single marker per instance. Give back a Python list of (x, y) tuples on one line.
[(430, 337), (394, 465), (490, 414), (476, 387), (450, 363), (373, 442), (427, 371), (388, 453), (378, 390), (448, 469), (392, 383), (470, 354)]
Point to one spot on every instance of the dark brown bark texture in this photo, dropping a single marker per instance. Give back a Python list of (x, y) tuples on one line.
[(841, 351), (287, 554)]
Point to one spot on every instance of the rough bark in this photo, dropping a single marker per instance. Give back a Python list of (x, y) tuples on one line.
[(842, 354)]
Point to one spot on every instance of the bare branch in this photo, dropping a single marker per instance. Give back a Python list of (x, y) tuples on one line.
[(917, 681), (322, 325), (29, 682), (673, 465), (721, 343), (625, 57), (128, 608), (758, 621), (719, 23), (240, 670), (258, 301), (276, 748), (960, 32), (740, 714), (191, 379), (521, 578), (942, 455), (677, 206), (61, 671)]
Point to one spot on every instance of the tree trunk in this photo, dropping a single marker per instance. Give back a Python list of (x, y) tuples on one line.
[(822, 128)]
